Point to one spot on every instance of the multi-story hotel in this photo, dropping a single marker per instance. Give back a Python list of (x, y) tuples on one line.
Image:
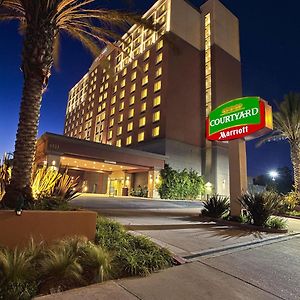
[(153, 97)]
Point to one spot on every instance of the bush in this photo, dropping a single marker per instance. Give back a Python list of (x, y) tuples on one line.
[(139, 192), (180, 184), (290, 201), (216, 206), (260, 206), (276, 223), (134, 255)]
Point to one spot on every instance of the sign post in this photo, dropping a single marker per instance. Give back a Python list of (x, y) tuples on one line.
[(237, 121)]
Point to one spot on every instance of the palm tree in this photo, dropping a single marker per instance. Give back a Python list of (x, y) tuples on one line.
[(42, 21), (287, 127)]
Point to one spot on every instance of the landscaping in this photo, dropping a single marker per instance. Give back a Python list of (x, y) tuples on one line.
[(41, 268)]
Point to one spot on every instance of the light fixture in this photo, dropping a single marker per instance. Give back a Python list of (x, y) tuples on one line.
[(273, 174)]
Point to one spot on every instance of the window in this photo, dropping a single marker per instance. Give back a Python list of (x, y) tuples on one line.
[(159, 45), (101, 89), (110, 134), (122, 94), (142, 122), (119, 143), (106, 86), (105, 95), (123, 82), (157, 86), (130, 126), (146, 67), (117, 78), (156, 116), (134, 64), (144, 93), (159, 58), (155, 131), (121, 106), (121, 118), (131, 113), (129, 140), (143, 107), (131, 100), (124, 72), (133, 76), (132, 88), (113, 100), (158, 72), (145, 80), (103, 105), (119, 131), (100, 98), (112, 111), (147, 54), (111, 122), (141, 136), (115, 88)]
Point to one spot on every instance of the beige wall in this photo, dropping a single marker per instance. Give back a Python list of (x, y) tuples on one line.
[(185, 22)]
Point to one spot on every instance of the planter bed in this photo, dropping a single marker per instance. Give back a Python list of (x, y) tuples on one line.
[(46, 226), (245, 226)]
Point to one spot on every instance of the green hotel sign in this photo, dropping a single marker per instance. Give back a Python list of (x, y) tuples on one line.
[(247, 118)]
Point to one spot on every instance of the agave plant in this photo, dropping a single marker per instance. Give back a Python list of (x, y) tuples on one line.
[(216, 206), (42, 22), (261, 206)]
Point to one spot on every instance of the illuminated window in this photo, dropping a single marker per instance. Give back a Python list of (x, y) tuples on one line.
[(113, 100), (147, 54), (131, 113), (146, 67), (121, 106), (130, 126), (158, 72), (119, 131), (132, 88), (129, 140), (112, 111), (145, 80), (131, 100), (144, 93), (101, 89), (141, 136), (110, 134), (124, 72), (111, 122), (105, 95), (142, 122), (159, 45), (123, 82), (143, 107), (106, 86), (122, 94), (134, 64), (159, 58), (156, 116), (119, 143), (103, 105), (133, 76), (157, 86), (101, 98), (155, 131), (117, 78), (115, 88), (121, 117)]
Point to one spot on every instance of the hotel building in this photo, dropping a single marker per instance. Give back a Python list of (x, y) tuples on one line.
[(151, 100)]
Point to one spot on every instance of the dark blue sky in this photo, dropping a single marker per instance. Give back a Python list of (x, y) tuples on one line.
[(270, 50)]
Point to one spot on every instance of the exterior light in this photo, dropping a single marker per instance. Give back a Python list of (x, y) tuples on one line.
[(273, 174)]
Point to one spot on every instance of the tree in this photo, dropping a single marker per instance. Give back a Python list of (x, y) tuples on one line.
[(287, 127), (42, 21)]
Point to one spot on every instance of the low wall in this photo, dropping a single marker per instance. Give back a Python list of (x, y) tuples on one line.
[(45, 226)]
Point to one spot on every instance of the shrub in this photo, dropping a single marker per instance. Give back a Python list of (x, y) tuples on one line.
[(260, 206), (140, 192), (180, 184), (276, 223), (5, 174), (134, 255), (290, 201), (21, 290), (216, 206)]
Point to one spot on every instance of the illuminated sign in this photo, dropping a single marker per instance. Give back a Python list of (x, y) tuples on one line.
[(247, 118)]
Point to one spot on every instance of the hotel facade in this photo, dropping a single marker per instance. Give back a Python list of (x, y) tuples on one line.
[(140, 108)]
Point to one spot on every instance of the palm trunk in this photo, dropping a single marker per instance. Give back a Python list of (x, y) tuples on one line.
[(37, 63), (295, 157)]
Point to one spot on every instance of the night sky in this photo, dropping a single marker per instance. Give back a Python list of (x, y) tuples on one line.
[(270, 50)]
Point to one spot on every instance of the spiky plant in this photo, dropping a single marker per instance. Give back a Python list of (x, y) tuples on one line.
[(5, 174), (216, 206), (42, 22), (287, 127)]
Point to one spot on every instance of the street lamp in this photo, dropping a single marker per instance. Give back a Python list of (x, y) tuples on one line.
[(273, 174)]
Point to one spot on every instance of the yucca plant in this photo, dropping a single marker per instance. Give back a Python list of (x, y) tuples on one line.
[(261, 206), (41, 23), (216, 206)]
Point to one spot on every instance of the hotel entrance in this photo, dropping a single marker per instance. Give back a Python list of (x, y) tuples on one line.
[(115, 187)]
